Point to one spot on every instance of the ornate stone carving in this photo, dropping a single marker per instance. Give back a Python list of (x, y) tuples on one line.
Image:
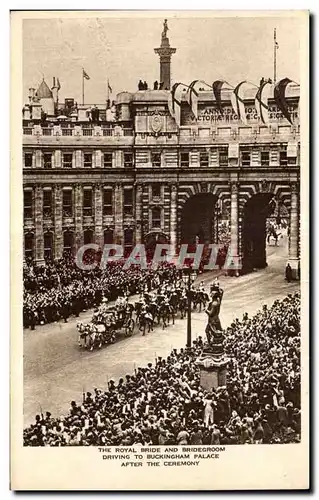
[(294, 187), (264, 186), (234, 185), (157, 122)]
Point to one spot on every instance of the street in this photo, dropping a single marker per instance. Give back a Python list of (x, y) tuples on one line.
[(57, 371)]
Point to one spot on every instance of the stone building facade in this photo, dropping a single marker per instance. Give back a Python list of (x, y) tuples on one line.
[(132, 175)]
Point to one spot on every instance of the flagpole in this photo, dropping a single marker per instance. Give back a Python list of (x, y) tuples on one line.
[(82, 86), (108, 91), (275, 56)]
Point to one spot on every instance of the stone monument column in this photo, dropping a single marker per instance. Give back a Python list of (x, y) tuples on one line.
[(165, 52)]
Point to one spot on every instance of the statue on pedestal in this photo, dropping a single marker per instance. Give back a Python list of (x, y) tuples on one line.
[(213, 328), (165, 29), (212, 362)]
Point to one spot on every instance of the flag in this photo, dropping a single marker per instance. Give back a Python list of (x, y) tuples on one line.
[(109, 86), (237, 102), (192, 97), (261, 101), (280, 98), (217, 90), (58, 84), (85, 75)]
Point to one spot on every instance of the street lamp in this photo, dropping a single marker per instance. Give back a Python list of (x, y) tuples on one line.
[(188, 276)]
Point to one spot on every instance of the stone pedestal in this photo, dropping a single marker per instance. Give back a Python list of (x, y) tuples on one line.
[(295, 268), (213, 369)]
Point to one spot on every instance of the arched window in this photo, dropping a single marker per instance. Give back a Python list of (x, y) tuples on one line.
[(108, 237), (88, 236)]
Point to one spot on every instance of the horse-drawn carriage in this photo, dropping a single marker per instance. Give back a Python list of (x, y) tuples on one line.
[(106, 323)]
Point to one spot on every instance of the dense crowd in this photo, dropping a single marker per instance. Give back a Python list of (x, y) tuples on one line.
[(163, 403), (61, 289)]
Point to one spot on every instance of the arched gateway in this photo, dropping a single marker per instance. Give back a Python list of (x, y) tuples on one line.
[(199, 219), (257, 210)]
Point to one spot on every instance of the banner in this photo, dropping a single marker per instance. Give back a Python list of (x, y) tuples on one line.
[(261, 100), (280, 97), (237, 101)]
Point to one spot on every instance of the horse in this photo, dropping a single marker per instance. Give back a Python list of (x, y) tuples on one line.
[(83, 333), (145, 319), (173, 301), (166, 312), (272, 233), (183, 305)]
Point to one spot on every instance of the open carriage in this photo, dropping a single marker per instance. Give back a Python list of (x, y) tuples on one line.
[(106, 323)]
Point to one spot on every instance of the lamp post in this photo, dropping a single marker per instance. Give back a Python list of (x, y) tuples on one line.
[(188, 276)]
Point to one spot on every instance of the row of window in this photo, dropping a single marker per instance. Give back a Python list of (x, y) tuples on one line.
[(68, 202), (88, 204), (69, 241), (106, 132), (67, 160), (245, 158)]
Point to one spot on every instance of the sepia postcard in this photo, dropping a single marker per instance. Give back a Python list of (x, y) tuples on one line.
[(159, 250)]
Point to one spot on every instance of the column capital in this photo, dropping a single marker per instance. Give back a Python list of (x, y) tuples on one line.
[(174, 187)]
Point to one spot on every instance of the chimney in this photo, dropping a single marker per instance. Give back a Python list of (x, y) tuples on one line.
[(31, 94)]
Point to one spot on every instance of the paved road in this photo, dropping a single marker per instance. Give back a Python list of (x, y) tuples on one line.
[(56, 370)]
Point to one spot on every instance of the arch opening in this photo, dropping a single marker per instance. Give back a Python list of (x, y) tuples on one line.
[(153, 238), (199, 221), (265, 222)]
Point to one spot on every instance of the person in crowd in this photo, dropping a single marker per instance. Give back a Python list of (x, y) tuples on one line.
[(61, 289), (288, 272), (163, 403)]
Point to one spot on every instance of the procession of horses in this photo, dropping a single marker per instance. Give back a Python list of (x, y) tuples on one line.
[(158, 307)]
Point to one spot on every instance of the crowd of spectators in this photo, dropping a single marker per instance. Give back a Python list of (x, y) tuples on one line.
[(61, 289), (163, 403)]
